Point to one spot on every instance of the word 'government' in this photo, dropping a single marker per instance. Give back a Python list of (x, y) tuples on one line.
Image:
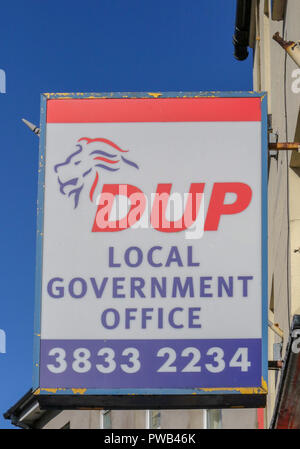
[(149, 286)]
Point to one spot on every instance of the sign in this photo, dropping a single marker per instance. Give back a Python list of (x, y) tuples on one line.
[(152, 250)]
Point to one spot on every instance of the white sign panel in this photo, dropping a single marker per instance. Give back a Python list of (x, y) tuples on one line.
[(152, 272)]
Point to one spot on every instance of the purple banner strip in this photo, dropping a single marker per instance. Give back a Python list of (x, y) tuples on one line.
[(115, 364)]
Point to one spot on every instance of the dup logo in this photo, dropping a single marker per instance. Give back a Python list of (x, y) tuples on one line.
[(92, 157), (85, 163)]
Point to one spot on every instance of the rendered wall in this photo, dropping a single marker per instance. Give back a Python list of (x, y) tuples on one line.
[(273, 71)]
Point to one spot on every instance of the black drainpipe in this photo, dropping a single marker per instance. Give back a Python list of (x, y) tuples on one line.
[(242, 29)]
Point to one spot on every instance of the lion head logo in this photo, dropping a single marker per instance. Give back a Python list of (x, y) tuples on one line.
[(90, 157)]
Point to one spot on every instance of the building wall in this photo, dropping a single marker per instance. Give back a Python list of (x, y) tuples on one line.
[(273, 72), (137, 419), (74, 419)]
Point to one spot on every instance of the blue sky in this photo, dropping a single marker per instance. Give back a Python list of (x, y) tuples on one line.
[(91, 46)]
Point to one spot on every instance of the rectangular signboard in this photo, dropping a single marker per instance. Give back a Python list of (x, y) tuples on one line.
[(152, 250)]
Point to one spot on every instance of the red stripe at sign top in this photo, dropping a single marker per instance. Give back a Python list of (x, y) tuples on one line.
[(118, 110)]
